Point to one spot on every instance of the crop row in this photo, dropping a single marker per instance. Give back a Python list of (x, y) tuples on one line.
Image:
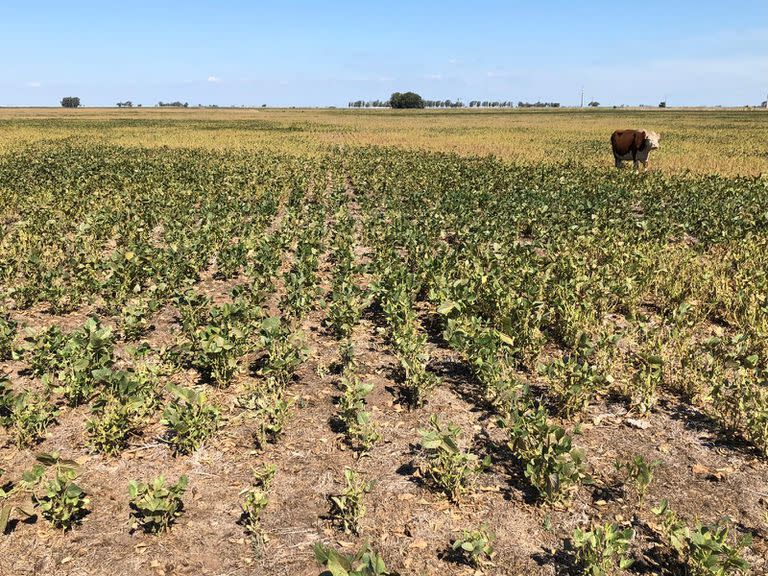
[(557, 286)]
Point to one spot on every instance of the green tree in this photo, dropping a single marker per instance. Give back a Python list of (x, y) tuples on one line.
[(406, 100), (70, 102)]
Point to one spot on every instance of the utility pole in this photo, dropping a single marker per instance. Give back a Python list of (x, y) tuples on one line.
[(582, 97)]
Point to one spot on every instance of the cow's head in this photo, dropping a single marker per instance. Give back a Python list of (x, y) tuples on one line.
[(652, 140)]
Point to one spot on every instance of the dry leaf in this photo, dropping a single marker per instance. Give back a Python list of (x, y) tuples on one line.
[(418, 544), (699, 469), (637, 423)]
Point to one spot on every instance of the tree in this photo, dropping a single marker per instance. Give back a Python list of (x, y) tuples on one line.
[(70, 102), (663, 104), (406, 100), (594, 104)]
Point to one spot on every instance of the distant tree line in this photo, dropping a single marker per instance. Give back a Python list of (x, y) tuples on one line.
[(538, 104), (388, 104), (443, 104), (491, 104), (369, 104), (413, 100), (70, 102), (126, 104), (176, 104), (397, 100)]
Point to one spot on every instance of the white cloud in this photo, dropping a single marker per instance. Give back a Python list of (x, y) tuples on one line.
[(214, 79), (34, 84), (496, 74), (433, 77), (455, 61)]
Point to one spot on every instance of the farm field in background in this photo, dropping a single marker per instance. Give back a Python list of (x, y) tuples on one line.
[(330, 330), (728, 142)]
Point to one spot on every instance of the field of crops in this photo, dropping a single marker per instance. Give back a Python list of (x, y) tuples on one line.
[(726, 142), (232, 345)]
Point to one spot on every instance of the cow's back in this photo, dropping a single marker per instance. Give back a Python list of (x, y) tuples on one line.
[(622, 141)]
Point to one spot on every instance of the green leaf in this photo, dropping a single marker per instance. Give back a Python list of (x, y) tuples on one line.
[(506, 339), (447, 307), (625, 563), (48, 459)]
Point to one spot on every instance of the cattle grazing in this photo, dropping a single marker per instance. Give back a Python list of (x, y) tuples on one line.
[(633, 145)]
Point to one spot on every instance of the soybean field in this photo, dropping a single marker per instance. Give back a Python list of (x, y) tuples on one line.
[(300, 345)]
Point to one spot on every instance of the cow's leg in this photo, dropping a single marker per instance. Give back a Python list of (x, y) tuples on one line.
[(636, 163), (617, 159)]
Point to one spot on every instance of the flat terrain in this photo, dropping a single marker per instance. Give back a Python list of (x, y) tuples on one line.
[(209, 292), (731, 142)]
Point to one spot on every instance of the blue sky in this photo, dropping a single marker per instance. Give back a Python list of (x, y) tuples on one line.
[(302, 53)]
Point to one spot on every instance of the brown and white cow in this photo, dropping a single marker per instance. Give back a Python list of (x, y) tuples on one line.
[(633, 145)]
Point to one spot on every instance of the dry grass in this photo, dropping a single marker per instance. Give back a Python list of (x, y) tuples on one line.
[(729, 142)]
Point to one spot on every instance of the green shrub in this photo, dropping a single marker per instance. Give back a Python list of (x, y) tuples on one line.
[(647, 377), (61, 502), (155, 507), (30, 416), (640, 472), (599, 550), (44, 350), (6, 400), (271, 412), (705, 550), (285, 351), (113, 424), (84, 351), (573, 384), (365, 562), (552, 465), (475, 546), (345, 308), (360, 431), (255, 499), (135, 318), (190, 419), (347, 507), (8, 329), (449, 468)]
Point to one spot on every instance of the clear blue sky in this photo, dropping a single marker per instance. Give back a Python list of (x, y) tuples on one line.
[(302, 53)]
